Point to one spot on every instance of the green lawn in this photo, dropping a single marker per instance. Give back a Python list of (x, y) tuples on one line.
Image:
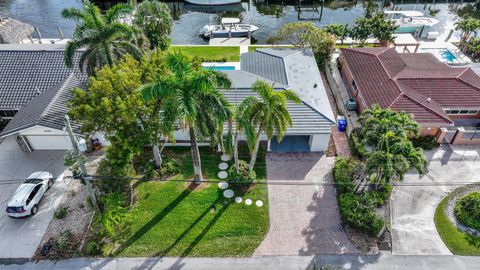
[(457, 241), (254, 48), (170, 219), (211, 53)]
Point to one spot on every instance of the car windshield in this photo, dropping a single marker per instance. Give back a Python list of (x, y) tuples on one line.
[(33, 181)]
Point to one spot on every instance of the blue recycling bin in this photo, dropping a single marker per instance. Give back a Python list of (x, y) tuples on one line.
[(342, 125)]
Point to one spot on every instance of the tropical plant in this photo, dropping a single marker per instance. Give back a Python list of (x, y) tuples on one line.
[(190, 95), (467, 210), (469, 28), (374, 25), (154, 18), (268, 114), (340, 31), (375, 122), (393, 154), (102, 35), (307, 36)]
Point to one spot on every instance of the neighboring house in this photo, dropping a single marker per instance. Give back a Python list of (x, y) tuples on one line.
[(444, 100), (35, 86)]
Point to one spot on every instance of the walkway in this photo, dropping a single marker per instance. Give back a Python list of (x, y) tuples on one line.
[(383, 261), (304, 219), (413, 207)]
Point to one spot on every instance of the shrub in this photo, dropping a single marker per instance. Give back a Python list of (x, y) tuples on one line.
[(345, 171), (61, 212), (359, 214), (169, 167), (425, 142), (92, 248), (114, 217), (113, 180), (381, 195), (357, 147), (467, 210), (243, 177), (61, 244), (149, 169)]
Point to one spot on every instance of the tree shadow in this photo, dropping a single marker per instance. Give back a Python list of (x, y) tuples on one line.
[(157, 218), (325, 233), (149, 264)]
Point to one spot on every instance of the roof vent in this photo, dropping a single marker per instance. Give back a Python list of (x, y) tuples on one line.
[(37, 90), (429, 100), (315, 85)]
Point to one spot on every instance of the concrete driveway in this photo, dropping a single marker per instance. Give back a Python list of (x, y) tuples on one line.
[(304, 219), (413, 207), (21, 237)]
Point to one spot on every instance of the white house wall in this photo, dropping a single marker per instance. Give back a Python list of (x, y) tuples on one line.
[(319, 142)]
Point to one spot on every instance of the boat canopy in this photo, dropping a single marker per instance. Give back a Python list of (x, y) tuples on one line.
[(230, 20), (407, 13)]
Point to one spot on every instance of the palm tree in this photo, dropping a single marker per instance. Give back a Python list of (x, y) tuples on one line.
[(191, 97), (242, 126), (468, 27), (377, 121), (268, 115), (104, 38)]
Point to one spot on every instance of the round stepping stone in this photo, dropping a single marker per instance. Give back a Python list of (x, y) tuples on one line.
[(225, 157), (223, 185), (228, 193), (223, 166), (248, 202), (222, 174), (238, 199), (259, 203)]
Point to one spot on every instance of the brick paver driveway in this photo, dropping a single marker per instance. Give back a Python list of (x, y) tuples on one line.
[(304, 219)]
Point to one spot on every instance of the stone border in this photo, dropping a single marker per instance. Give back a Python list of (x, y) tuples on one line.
[(449, 208)]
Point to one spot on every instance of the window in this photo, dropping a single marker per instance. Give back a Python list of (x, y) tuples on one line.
[(7, 113), (354, 85), (464, 112), (33, 193)]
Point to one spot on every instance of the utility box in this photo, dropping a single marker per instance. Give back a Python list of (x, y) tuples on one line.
[(351, 104)]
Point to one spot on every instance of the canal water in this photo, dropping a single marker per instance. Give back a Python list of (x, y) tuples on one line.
[(268, 15)]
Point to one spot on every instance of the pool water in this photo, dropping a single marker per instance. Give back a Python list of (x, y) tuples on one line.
[(443, 54), (220, 68)]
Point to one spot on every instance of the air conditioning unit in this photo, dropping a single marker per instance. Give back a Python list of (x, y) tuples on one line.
[(351, 104)]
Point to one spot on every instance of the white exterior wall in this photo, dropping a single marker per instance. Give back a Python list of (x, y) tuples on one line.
[(319, 142)]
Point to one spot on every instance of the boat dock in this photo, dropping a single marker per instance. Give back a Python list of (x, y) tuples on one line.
[(242, 41)]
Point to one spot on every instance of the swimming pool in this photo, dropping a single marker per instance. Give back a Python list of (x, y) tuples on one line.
[(219, 68), (443, 54)]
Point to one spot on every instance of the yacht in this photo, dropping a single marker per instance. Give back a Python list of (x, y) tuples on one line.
[(229, 27), (410, 21)]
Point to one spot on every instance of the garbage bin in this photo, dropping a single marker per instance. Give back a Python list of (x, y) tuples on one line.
[(342, 124)]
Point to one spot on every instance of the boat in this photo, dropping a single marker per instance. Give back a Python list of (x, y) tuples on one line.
[(229, 27), (213, 2), (410, 21)]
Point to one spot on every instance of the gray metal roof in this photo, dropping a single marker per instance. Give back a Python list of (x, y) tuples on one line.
[(265, 65), (47, 109), (295, 68), (24, 74), (13, 31), (305, 119)]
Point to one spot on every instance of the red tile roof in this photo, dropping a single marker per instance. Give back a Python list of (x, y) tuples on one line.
[(415, 83)]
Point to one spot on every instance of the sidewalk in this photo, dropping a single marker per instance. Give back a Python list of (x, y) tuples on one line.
[(383, 261)]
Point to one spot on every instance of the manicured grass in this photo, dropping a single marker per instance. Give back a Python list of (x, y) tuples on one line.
[(457, 241), (170, 219), (254, 48), (211, 53)]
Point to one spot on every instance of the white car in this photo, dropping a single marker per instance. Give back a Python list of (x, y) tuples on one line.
[(24, 202)]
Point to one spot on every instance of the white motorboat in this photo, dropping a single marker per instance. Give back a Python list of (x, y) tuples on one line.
[(229, 27), (410, 21), (213, 2)]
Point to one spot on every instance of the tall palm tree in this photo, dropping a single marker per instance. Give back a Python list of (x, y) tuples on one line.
[(268, 115), (190, 96), (104, 38)]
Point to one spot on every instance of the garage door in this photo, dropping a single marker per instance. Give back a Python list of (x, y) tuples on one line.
[(51, 142), (291, 144)]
